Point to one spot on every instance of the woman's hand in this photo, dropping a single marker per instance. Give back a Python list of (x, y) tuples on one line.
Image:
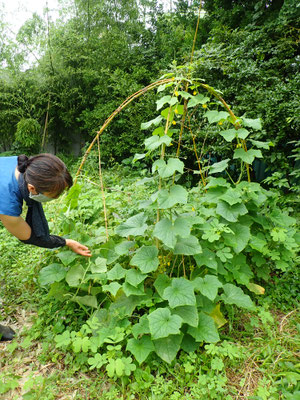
[(78, 248)]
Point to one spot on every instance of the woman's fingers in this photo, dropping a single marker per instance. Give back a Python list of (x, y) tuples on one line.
[(78, 248)]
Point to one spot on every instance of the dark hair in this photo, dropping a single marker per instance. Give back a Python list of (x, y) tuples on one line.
[(46, 172)]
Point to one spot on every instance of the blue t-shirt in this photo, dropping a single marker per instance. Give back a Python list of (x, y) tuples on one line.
[(10, 197)]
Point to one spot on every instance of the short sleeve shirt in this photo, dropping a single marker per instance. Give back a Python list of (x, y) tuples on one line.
[(10, 197)]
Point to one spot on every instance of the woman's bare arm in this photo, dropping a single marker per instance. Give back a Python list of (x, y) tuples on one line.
[(16, 226)]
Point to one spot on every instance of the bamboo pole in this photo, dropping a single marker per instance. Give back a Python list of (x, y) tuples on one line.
[(102, 190)]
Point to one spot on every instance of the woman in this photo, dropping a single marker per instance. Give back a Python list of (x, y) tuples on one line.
[(36, 180)]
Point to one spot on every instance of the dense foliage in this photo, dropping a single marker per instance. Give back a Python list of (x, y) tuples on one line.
[(86, 63)]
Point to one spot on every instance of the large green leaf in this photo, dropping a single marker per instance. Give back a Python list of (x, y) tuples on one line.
[(216, 116), (215, 182), (158, 131), (167, 231), (261, 145), (188, 314), (234, 295), (239, 239), (208, 286), (166, 99), (188, 246), (90, 301), (252, 123), (112, 288), (189, 344), (207, 258), (124, 306), (247, 156), (230, 213), (161, 282), (228, 134), (168, 113), (258, 243), (135, 277), (142, 327), (242, 133), (162, 323), (123, 247), (219, 166), (153, 142), (184, 94), (131, 290), (107, 250), (52, 273), (162, 101), (175, 195), (168, 347), (155, 121), (206, 330), (138, 156), (213, 194), (99, 266), (198, 99), (116, 273), (231, 196), (180, 293), (146, 259), (75, 275), (140, 348), (165, 170), (135, 225), (67, 257)]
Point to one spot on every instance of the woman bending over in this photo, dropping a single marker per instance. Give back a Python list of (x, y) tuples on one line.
[(35, 180)]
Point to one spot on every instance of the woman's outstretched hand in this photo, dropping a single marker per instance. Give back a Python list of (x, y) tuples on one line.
[(78, 248)]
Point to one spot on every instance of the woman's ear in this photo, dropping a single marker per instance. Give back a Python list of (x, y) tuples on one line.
[(31, 189)]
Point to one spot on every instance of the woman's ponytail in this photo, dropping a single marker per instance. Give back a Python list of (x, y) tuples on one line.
[(23, 162)]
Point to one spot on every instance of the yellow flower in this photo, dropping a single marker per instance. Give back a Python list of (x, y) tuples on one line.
[(204, 105), (193, 209), (176, 111), (173, 78), (220, 123), (194, 92), (174, 122), (176, 93)]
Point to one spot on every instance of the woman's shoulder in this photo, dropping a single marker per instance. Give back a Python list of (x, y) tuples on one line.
[(10, 199)]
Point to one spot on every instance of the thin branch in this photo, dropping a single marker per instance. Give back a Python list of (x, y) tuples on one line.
[(102, 190)]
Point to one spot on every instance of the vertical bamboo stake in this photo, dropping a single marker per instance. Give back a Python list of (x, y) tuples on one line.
[(102, 189), (196, 32), (44, 141), (186, 89)]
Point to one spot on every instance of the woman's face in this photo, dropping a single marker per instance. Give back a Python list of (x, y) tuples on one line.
[(34, 192)]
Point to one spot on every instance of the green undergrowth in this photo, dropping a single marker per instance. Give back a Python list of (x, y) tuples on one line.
[(256, 357)]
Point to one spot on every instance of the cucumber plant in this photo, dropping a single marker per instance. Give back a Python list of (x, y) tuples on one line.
[(162, 280)]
